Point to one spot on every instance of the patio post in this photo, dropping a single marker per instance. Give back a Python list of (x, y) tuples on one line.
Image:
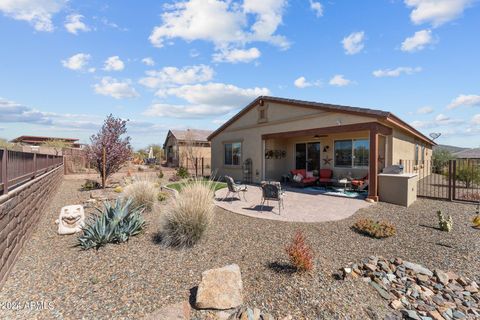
[(373, 166)]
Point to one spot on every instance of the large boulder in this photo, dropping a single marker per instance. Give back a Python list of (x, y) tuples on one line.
[(220, 288)]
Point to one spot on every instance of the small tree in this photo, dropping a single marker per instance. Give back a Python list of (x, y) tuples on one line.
[(57, 144), (117, 149), (468, 175), (4, 144), (192, 149), (440, 158)]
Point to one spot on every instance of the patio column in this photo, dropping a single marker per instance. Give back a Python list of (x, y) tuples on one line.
[(373, 166)]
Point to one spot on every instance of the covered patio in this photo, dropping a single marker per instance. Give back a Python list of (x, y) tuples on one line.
[(299, 205)]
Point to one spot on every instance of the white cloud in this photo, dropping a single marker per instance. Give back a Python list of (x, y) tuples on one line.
[(418, 41), (226, 24), (13, 112), (395, 72), (440, 120), (339, 80), (38, 13), (113, 63), (148, 61), (212, 93), (425, 110), (115, 88), (468, 100), (317, 8), (476, 119), (237, 55), (301, 82), (436, 12), (74, 24), (77, 62), (353, 43), (170, 76), (204, 100), (186, 111)]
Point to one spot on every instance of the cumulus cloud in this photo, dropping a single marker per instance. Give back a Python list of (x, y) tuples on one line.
[(204, 100), (113, 63), (226, 24), (237, 55), (395, 72), (418, 41), (118, 89), (436, 12), (38, 13), (339, 80), (440, 120), (476, 119), (467, 100), (148, 61), (353, 43), (301, 82), (171, 76), (74, 24), (424, 110), (316, 7), (13, 112), (77, 62)]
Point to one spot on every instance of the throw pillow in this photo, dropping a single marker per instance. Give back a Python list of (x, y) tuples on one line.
[(309, 174)]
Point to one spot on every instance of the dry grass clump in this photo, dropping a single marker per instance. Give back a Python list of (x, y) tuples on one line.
[(300, 253), (143, 192), (188, 215), (375, 229)]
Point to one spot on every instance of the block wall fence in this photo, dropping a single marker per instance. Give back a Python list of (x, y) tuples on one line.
[(20, 210)]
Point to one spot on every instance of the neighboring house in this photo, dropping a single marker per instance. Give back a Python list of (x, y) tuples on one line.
[(37, 141), (182, 145), (272, 136), (473, 153)]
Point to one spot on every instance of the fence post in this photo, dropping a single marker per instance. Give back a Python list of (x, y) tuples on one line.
[(454, 179), (196, 167), (34, 165), (450, 178), (203, 175), (4, 171)]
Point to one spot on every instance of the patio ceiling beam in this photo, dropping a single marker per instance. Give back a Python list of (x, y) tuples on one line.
[(375, 127)]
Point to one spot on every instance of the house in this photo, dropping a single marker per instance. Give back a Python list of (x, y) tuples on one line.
[(473, 153), (37, 140), (182, 145), (271, 136)]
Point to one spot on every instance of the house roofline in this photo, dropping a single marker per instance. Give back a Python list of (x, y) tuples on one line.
[(379, 114)]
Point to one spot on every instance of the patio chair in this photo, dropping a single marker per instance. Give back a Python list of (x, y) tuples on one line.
[(360, 184), (235, 189), (272, 191), (304, 180), (325, 177)]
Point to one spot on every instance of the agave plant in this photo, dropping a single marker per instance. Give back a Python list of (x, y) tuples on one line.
[(114, 224)]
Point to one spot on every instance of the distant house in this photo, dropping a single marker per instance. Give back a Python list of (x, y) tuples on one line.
[(473, 153), (37, 140), (182, 145), (272, 136)]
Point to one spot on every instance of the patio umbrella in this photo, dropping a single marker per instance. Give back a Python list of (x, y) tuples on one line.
[(150, 153)]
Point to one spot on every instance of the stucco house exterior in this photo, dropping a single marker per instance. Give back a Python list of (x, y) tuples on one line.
[(271, 136), (182, 144)]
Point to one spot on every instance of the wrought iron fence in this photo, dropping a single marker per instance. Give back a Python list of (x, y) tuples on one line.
[(457, 179), (18, 167)]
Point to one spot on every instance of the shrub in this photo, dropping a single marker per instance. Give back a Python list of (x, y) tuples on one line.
[(468, 175), (115, 224), (300, 254), (90, 185), (182, 173), (140, 169), (375, 229), (162, 196), (118, 189), (188, 215), (444, 221), (476, 222), (142, 192), (160, 174)]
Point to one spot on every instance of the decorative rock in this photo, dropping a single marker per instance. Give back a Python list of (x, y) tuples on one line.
[(410, 314), (459, 315), (71, 219), (396, 304), (220, 288), (435, 315), (417, 268), (177, 311), (385, 295)]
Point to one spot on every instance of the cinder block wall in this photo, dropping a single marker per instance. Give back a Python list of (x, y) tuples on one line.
[(20, 211)]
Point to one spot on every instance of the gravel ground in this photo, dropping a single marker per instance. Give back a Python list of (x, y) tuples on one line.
[(131, 280)]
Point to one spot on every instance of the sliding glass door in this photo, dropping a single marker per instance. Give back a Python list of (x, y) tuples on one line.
[(307, 156)]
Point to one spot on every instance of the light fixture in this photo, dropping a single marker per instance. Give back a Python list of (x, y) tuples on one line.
[(339, 122)]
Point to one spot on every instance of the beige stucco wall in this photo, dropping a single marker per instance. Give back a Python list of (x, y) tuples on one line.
[(404, 147)]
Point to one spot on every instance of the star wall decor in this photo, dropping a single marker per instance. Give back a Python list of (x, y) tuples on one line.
[(327, 160)]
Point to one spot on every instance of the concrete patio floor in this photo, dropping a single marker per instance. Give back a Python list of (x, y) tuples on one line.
[(298, 206)]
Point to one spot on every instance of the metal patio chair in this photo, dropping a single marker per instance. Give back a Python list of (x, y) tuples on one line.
[(272, 191), (235, 189)]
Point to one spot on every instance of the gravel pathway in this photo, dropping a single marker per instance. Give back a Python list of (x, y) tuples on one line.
[(131, 280)]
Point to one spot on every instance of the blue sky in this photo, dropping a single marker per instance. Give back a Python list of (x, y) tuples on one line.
[(65, 65)]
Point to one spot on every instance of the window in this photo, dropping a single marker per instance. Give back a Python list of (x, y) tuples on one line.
[(233, 153), (262, 114), (416, 154), (423, 154), (307, 156), (352, 153)]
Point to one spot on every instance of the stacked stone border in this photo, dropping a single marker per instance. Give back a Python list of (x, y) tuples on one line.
[(20, 210)]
